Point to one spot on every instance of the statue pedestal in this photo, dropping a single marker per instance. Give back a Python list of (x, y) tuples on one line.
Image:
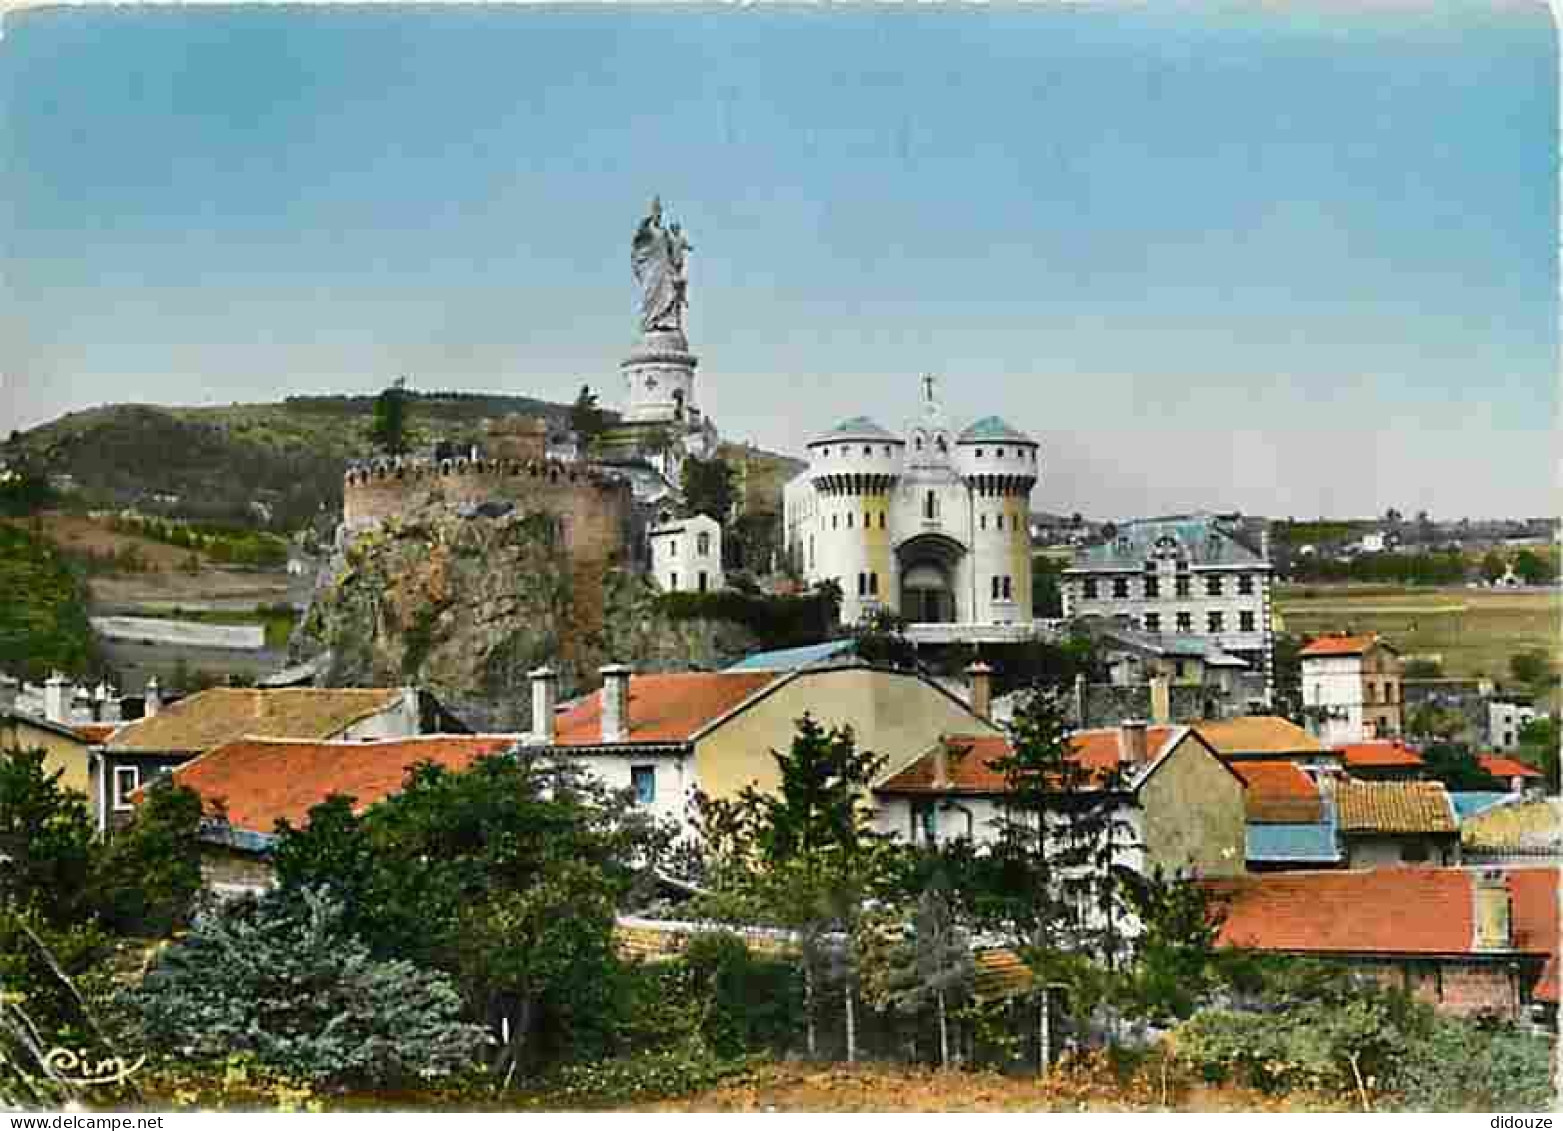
[(659, 376)]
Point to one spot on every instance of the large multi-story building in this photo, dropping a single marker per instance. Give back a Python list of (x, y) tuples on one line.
[(1351, 689), (1189, 575), (932, 525)]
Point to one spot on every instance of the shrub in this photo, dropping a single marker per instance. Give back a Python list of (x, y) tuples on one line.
[(280, 980), (1464, 1066), (668, 1072)]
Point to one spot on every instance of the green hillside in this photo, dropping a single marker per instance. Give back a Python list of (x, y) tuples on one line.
[(215, 464), (43, 609), (212, 463)]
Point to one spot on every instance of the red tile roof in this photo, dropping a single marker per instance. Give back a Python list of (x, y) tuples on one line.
[(1341, 645), (968, 760), (1386, 911), (1381, 755), (1500, 766), (264, 780), (663, 708), (1534, 911), (1279, 793)]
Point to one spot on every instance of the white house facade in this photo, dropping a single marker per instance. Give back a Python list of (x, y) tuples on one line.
[(687, 555)]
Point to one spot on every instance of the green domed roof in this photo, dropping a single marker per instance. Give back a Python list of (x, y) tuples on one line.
[(991, 428), (857, 428)]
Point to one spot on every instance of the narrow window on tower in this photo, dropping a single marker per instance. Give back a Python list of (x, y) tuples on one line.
[(873, 584), (1006, 587)]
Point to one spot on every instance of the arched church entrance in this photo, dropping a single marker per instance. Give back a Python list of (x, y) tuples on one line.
[(928, 564)]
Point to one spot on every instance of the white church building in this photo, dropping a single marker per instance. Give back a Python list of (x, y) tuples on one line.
[(933, 525)]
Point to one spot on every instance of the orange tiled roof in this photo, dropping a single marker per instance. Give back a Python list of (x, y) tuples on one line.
[(1500, 766), (262, 781), (224, 714), (1341, 645), (1279, 793), (663, 708), (968, 760), (1394, 807), (95, 732), (1257, 735), (1381, 755), (1534, 915), (1384, 910)]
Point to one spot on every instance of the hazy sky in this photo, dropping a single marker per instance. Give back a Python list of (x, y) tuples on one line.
[(1295, 258)]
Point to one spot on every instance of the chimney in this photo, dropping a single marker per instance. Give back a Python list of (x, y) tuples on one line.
[(1161, 699), (941, 763), (1131, 743), (112, 712), (615, 702), (1494, 920), (153, 696), (545, 694), (981, 676), (56, 699)]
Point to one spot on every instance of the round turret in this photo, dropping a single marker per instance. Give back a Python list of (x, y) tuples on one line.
[(856, 447), (995, 455)]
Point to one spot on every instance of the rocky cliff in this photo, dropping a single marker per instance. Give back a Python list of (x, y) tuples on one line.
[(466, 606)]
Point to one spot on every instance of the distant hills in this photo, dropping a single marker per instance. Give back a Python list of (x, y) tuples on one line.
[(277, 465)]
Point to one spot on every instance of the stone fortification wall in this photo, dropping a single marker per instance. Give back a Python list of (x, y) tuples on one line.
[(593, 506)]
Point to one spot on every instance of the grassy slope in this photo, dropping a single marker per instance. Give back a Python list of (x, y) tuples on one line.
[(1474, 631)]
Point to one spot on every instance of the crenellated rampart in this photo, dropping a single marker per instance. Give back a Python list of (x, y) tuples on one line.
[(593, 505)]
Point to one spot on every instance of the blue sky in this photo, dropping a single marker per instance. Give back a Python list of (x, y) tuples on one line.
[(1294, 259)]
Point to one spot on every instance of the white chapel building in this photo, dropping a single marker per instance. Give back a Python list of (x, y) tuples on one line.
[(933, 525)]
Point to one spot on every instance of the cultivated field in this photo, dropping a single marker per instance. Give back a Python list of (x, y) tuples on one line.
[(1472, 631), (163, 578)]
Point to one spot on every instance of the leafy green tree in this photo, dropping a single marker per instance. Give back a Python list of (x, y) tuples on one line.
[(1176, 965), (1533, 668), (43, 615), (813, 857), (933, 965), (1454, 765), (23, 490), (388, 428), (1047, 596), (1438, 724), (504, 876), (1059, 881), (1493, 566), (283, 981), (709, 488), (1532, 568), (46, 835), (1423, 669), (151, 871), (1539, 746), (587, 421)]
